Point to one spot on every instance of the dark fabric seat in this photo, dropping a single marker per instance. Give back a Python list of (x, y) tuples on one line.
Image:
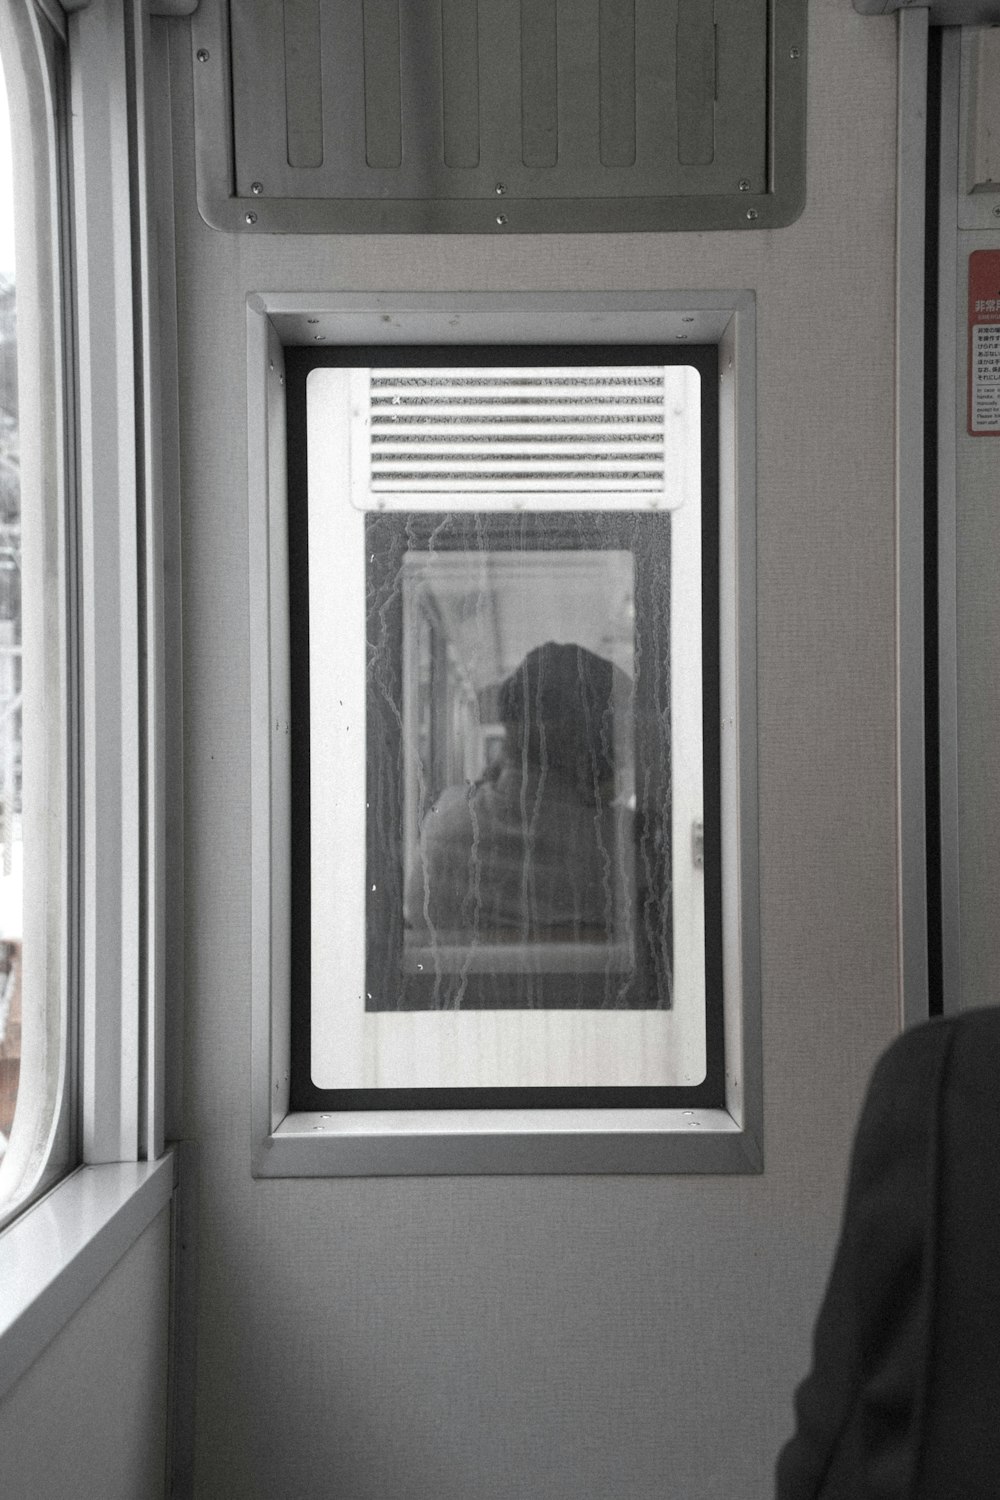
[(903, 1399)]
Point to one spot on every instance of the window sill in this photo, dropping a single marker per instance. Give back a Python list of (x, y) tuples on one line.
[(55, 1255), (447, 1142)]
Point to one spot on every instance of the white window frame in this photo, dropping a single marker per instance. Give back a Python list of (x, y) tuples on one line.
[(727, 1139)]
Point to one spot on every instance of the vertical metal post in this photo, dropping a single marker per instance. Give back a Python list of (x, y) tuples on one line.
[(110, 628), (910, 232), (150, 564), (947, 498)]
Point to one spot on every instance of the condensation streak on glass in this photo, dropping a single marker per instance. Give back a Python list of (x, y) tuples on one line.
[(10, 653), (519, 761)]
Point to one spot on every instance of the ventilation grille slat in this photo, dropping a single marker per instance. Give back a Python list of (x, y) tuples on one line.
[(588, 431)]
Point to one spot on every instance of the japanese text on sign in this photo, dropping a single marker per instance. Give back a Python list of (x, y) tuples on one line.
[(984, 343)]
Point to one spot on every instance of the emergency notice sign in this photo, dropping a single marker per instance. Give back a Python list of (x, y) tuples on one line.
[(984, 343)]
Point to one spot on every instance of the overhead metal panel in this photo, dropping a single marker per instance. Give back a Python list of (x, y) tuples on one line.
[(519, 115)]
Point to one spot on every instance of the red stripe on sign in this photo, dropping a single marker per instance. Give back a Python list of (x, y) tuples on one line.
[(984, 343)]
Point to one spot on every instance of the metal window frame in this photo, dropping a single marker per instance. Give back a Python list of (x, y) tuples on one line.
[(366, 1143), (121, 589), (113, 759), (120, 363)]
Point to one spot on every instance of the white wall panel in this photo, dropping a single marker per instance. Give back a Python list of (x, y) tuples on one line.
[(556, 1338), (89, 1417)]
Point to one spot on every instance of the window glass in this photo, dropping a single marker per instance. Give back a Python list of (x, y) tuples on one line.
[(527, 876), (11, 846), (38, 1137), (500, 796)]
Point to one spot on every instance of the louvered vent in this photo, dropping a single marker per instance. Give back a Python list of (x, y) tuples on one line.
[(593, 437)]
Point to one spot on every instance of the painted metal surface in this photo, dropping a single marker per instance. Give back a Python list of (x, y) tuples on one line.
[(52, 1259), (644, 117), (442, 1146)]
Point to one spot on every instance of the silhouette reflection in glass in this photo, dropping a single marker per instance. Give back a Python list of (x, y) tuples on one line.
[(537, 849)]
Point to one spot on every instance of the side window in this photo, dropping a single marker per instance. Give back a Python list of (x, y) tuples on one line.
[(505, 761), (36, 1134), (11, 841)]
